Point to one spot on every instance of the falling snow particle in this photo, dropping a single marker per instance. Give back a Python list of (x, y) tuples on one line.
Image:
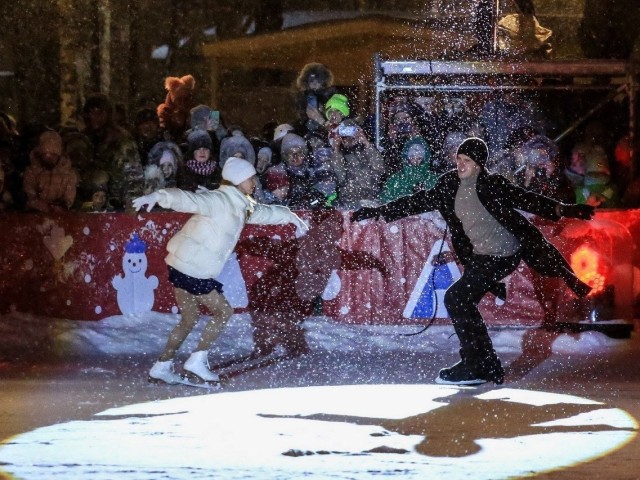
[(394, 229), (86, 230), (368, 305), (68, 302), (87, 278), (403, 280), (98, 309), (174, 309), (344, 310)]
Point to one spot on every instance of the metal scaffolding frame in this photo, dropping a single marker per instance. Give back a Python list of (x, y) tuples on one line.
[(432, 76)]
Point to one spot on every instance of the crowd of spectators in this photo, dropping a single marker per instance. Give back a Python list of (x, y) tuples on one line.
[(325, 156)]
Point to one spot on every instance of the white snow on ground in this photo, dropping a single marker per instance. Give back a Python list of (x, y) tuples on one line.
[(147, 334)]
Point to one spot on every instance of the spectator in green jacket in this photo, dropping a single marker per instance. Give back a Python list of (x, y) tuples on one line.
[(416, 173)]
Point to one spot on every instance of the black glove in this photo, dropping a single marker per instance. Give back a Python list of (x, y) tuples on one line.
[(582, 211), (364, 213)]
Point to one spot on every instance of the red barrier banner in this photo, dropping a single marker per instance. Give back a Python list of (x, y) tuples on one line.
[(87, 266)]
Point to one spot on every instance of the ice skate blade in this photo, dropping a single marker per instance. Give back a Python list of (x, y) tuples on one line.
[(206, 385), (197, 380), (159, 381), (475, 381), (186, 382)]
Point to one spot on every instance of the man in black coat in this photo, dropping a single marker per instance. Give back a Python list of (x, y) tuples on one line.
[(490, 237)]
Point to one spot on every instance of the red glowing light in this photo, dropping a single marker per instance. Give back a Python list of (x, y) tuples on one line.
[(589, 268), (623, 152)]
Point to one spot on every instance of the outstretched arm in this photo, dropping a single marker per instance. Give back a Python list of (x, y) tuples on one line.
[(581, 211), (203, 203), (277, 215), (541, 205), (149, 200), (420, 202)]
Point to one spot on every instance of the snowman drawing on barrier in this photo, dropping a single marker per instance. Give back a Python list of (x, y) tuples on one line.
[(135, 290)]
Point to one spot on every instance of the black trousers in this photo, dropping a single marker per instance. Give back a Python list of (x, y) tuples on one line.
[(481, 273)]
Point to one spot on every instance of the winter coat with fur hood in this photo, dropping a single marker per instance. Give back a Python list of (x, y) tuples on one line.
[(201, 248)]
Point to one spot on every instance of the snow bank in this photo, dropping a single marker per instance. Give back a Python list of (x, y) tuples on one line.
[(146, 334)]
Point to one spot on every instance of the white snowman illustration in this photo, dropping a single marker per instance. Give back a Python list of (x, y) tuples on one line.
[(135, 290)]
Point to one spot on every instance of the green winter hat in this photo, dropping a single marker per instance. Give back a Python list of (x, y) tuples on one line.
[(337, 102)]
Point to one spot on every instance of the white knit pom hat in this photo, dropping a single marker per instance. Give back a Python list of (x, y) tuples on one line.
[(237, 170)]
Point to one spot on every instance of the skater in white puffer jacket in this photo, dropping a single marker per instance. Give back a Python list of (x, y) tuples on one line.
[(198, 252)]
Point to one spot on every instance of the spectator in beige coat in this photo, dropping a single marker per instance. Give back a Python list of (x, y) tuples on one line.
[(50, 181), (358, 166)]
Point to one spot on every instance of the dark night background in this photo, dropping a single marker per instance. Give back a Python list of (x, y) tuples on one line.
[(54, 53)]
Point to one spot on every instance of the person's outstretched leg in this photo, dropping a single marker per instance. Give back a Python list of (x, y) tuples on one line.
[(221, 311), (162, 370), (479, 361)]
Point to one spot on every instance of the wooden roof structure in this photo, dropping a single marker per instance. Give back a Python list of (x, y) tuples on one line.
[(346, 47)]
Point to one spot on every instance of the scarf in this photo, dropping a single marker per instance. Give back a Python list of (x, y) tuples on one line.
[(202, 168)]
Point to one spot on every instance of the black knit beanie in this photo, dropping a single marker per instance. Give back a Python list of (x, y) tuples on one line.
[(476, 149)]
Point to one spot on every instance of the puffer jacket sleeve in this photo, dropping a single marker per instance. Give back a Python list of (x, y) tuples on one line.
[(275, 215), (179, 200)]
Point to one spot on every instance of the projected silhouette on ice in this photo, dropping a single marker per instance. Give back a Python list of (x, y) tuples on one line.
[(497, 419)]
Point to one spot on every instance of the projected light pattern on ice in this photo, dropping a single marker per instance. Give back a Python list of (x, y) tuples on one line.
[(409, 431)]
